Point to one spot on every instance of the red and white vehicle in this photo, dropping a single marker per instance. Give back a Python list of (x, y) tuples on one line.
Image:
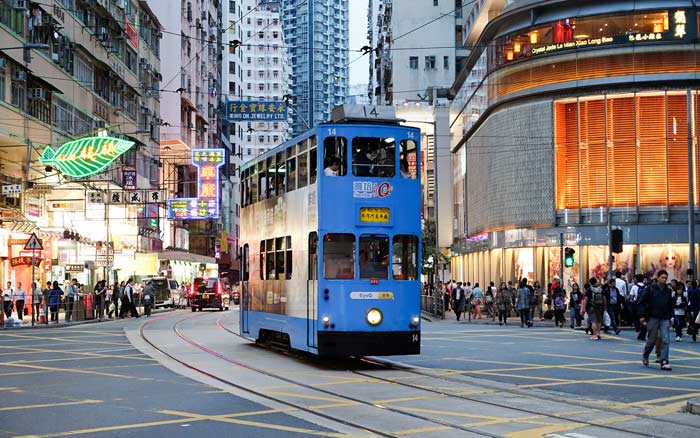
[(208, 293)]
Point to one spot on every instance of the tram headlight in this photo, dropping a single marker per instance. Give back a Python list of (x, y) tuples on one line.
[(416, 320), (374, 317)]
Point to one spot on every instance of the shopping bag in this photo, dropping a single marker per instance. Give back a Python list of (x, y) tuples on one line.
[(585, 319), (607, 322), (697, 320), (112, 307)]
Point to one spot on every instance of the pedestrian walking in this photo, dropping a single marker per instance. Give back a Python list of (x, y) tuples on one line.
[(693, 310), (489, 295), (100, 296), (503, 304), (575, 306), (55, 301), (148, 297), (7, 295), (477, 299), (47, 293), (623, 289), (37, 295), (539, 295), (559, 309), (680, 307), (595, 307), (20, 297), (656, 311), (71, 296), (631, 304), (614, 298), (130, 297), (458, 299), (523, 304), (114, 304)]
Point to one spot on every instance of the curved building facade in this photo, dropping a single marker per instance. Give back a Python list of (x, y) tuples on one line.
[(573, 118)]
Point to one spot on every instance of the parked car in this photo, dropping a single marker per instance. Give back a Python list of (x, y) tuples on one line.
[(161, 288), (208, 293)]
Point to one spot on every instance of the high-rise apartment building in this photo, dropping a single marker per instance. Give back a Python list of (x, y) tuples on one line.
[(266, 74), (316, 35), (70, 70), (419, 47), (190, 107)]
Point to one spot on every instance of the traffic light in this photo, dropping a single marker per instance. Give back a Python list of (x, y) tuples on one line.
[(569, 257), (616, 241)]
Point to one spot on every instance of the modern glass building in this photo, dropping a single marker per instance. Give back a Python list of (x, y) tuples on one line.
[(571, 119), (316, 36)]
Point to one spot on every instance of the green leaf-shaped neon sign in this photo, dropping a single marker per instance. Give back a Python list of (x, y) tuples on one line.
[(85, 157)]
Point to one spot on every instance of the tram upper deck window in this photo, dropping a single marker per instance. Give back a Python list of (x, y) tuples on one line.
[(374, 157), (280, 174), (302, 166), (313, 165), (374, 257), (334, 156), (404, 262), (408, 159), (338, 256), (291, 168), (255, 183)]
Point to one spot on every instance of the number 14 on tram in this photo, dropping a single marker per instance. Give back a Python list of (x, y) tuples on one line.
[(331, 238)]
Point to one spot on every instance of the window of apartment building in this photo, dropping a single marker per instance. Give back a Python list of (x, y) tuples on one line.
[(275, 125), (18, 90), (83, 71), (275, 34), (260, 22), (446, 62), (261, 59), (275, 73), (413, 62), (248, 34), (3, 63), (232, 67), (232, 88), (435, 2), (249, 86), (430, 62), (275, 47), (248, 60), (249, 73), (275, 21), (275, 87), (261, 87), (261, 34), (248, 19), (261, 138), (232, 6), (261, 73), (275, 60)]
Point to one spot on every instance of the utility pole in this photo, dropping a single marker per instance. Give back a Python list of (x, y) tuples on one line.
[(691, 191), (610, 246)]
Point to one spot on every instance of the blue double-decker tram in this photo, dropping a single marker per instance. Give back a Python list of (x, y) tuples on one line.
[(331, 237)]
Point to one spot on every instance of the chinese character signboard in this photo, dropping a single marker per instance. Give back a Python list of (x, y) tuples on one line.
[(206, 204), (129, 179), (85, 157), (243, 111)]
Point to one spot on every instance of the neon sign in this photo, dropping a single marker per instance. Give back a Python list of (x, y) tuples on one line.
[(85, 157), (206, 204)]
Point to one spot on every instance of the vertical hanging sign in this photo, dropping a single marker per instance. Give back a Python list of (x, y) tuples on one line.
[(206, 204)]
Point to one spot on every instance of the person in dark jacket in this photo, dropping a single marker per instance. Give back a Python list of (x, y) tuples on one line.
[(148, 298), (656, 311), (55, 300), (459, 299), (693, 309), (680, 309)]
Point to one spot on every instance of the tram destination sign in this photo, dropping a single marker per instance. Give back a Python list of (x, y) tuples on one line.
[(261, 111), (375, 214)]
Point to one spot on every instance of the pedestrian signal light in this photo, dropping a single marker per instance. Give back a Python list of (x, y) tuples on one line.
[(569, 257)]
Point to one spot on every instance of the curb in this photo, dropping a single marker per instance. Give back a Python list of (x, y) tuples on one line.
[(693, 406), (38, 326)]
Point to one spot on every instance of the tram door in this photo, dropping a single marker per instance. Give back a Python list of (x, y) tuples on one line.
[(312, 291), (245, 291)]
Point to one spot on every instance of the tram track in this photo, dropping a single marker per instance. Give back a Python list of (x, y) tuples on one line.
[(394, 367), (337, 419)]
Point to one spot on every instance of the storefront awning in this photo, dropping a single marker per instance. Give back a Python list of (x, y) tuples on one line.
[(185, 257)]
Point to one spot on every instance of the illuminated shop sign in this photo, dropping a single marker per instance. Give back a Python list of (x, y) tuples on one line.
[(206, 204), (85, 157), (566, 37)]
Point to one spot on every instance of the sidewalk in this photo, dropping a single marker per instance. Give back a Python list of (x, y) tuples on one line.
[(27, 322)]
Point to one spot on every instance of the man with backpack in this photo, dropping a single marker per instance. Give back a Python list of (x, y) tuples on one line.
[(596, 305), (656, 311), (635, 292)]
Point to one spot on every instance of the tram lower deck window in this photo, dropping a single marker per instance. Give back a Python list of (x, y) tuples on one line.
[(338, 256), (404, 262)]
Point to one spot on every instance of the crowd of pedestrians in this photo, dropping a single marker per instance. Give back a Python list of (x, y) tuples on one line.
[(650, 305), (116, 301)]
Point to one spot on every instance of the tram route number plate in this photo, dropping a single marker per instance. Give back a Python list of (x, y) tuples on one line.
[(371, 295), (374, 214)]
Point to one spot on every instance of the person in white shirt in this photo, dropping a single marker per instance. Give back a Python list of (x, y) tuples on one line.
[(333, 167), (20, 296), (622, 288), (7, 294)]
